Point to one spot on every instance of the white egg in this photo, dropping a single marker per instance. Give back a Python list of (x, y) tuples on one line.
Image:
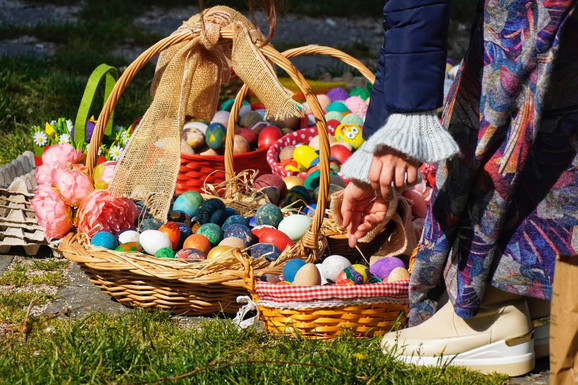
[(128, 236), (320, 268), (153, 240), (333, 265), (198, 125), (295, 226)]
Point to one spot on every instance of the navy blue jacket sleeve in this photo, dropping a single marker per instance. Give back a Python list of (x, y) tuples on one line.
[(411, 64)]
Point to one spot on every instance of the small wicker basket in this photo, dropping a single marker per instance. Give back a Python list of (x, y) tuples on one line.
[(207, 287)]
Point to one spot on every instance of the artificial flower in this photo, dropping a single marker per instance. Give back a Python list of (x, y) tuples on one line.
[(74, 185), (102, 174), (115, 152), (40, 138), (44, 173), (63, 154), (102, 211), (420, 196), (64, 138), (51, 212)]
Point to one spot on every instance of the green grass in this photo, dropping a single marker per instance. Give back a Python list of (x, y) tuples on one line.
[(150, 348)]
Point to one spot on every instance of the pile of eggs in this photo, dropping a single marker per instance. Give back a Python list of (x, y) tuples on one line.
[(338, 270), (198, 229)]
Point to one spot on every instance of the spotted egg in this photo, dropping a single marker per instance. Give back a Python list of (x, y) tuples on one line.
[(212, 231), (240, 231), (234, 219), (129, 247), (267, 250), (268, 214), (212, 210), (188, 202), (150, 223), (215, 135), (191, 255)]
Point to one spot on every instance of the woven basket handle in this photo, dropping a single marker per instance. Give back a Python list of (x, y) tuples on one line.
[(309, 245)]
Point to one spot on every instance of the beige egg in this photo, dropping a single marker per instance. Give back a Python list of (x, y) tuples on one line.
[(186, 149), (398, 274), (286, 152), (209, 151), (233, 242), (240, 145), (334, 142), (308, 275)]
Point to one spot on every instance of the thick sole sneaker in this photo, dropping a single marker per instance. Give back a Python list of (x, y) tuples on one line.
[(514, 357)]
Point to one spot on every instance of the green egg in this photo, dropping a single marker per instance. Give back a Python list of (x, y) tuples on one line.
[(165, 252)]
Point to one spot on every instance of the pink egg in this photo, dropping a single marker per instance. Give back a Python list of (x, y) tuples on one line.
[(356, 105), (323, 100), (248, 134), (222, 117), (240, 145)]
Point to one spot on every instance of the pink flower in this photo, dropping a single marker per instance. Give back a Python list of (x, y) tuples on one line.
[(103, 212), (420, 196), (63, 154), (103, 173), (74, 185), (51, 212), (44, 173)]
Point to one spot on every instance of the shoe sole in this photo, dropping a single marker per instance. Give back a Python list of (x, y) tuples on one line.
[(501, 357), (542, 337)]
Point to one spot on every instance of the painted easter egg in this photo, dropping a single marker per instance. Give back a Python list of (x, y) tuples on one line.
[(268, 136), (307, 275), (353, 275), (333, 265), (191, 255), (259, 230), (270, 180), (228, 104), (179, 216), (338, 106), (340, 152), (127, 235), (337, 93), (215, 135), (240, 145), (291, 268), (218, 251), (269, 194), (129, 247), (295, 226), (234, 219), (185, 232), (150, 223), (212, 231), (212, 210), (349, 133), (233, 242), (240, 231), (297, 197), (188, 202), (104, 239), (383, 267), (292, 181), (197, 241), (268, 214), (165, 252), (267, 250), (153, 240), (250, 118), (249, 135), (276, 237), (398, 274), (201, 126), (172, 230), (194, 137)]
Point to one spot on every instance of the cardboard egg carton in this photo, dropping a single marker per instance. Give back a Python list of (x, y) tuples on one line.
[(18, 224)]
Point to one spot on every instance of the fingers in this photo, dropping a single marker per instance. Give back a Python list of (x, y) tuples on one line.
[(411, 175)]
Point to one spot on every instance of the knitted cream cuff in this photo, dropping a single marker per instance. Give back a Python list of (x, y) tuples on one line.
[(358, 164), (418, 135)]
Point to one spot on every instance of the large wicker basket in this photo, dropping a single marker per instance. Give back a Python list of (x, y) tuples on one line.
[(210, 286)]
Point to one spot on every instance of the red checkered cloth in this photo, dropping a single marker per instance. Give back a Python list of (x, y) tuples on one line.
[(395, 291)]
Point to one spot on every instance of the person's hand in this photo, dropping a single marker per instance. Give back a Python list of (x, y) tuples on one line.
[(362, 210), (391, 169)]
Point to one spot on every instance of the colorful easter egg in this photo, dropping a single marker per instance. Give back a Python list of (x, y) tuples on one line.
[(240, 231), (150, 223), (127, 235), (291, 268), (337, 93), (233, 242), (267, 250), (338, 106), (349, 133), (297, 197), (398, 274), (172, 230), (194, 137), (215, 135), (268, 214), (276, 237), (153, 240), (259, 230), (234, 219), (304, 155), (270, 180), (212, 231), (185, 232), (165, 252), (249, 135), (179, 216), (212, 210), (295, 226), (307, 275), (201, 126), (197, 241), (353, 275), (219, 251), (333, 265), (191, 255), (129, 247), (268, 136), (188, 202), (383, 267), (104, 239)]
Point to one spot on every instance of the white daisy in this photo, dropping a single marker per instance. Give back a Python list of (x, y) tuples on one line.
[(99, 151), (115, 152), (64, 138), (69, 125), (40, 138)]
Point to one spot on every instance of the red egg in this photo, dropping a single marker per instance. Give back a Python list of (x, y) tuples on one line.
[(339, 152), (276, 237), (268, 136), (248, 134), (333, 123), (173, 231), (270, 180), (258, 230)]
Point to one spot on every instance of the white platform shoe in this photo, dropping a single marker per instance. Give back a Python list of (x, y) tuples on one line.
[(498, 339)]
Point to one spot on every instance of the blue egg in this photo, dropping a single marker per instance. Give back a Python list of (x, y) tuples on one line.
[(252, 222), (229, 211), (291, 268), (150, 223), (268, 250), (104, 239), (215, 135), (239, 219), (211, 211), (268, 214), (240, 231), (185, 231), (188, 202)]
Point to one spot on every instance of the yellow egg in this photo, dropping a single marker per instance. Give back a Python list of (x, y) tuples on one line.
[(218, 251), (292, 181)]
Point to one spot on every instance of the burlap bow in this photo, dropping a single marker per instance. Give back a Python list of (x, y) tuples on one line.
[(187, 83)]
